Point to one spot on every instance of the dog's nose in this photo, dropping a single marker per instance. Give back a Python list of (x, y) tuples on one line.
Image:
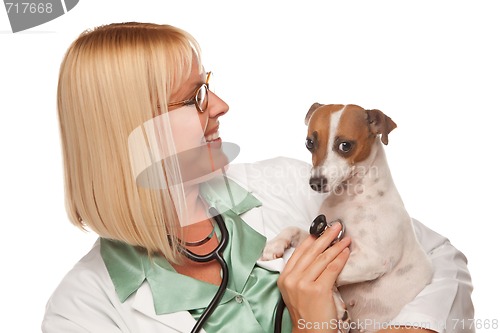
[(318, 183)]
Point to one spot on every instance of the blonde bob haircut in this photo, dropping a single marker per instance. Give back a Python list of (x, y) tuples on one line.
[(113, 79)]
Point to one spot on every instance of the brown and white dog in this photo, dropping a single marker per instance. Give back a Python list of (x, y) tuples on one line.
[(387, 267)]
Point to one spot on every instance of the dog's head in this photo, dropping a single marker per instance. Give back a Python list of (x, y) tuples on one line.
[(339, 137)]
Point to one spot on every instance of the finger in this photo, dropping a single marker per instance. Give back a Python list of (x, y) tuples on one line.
[(316, 269), (332, 271), (311, 248), (297, 253)]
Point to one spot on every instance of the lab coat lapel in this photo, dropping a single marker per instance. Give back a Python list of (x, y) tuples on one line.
[(181, 321), (254, 218)]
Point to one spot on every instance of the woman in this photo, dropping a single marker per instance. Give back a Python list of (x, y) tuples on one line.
[(143, 162)]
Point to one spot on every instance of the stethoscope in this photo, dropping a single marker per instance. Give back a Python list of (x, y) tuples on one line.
[(217, 255), (318, 227)]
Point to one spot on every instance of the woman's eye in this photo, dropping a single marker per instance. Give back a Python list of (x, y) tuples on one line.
[(309, 144), (345, 147)]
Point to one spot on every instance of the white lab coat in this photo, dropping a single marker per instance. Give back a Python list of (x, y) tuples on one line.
[(86, 301)]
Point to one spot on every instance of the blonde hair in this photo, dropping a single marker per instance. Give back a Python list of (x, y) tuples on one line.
[(112, 79)]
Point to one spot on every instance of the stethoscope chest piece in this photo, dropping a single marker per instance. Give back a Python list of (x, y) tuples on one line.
[(320, 224)]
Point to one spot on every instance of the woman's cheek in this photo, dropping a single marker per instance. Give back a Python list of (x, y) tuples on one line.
[(187, 128)]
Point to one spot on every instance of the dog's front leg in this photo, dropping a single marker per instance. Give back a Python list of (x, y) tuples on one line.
[(343, 319), (289, 237)]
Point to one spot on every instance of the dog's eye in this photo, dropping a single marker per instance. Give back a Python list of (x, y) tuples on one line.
[(309, 144), (345, 147)]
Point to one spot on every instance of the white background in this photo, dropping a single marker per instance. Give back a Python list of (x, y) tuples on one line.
[(431, 65)]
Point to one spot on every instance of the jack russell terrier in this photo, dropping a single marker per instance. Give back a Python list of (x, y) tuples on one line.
[(387, 267)]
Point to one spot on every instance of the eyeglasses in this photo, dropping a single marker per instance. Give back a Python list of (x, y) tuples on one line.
[(200, 98)]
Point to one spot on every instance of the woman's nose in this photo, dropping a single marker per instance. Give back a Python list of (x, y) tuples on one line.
[(216, 106)]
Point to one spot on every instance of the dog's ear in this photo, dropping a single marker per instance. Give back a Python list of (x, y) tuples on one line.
[(379, 123), (311, 111)]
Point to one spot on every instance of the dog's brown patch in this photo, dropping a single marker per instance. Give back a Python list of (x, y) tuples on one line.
[(353, 127), (380, 124), (320, 123)]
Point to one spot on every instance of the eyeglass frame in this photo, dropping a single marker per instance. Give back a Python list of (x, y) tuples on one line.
[(193, 99)]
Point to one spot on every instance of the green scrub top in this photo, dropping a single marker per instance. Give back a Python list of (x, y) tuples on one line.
[(251, 297)]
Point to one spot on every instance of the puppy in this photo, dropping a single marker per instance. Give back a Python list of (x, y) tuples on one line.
[(387, 267)]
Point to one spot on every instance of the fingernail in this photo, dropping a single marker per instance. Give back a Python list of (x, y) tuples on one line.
[(336, 226)]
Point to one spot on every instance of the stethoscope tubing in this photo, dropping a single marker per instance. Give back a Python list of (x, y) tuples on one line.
[(218, 296), (213, 255)]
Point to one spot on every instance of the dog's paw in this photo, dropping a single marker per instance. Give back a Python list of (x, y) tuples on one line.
[(288, 237), (275, 249), (343, 318)]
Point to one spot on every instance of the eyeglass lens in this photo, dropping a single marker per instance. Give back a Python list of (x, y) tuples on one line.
[(201, 97)]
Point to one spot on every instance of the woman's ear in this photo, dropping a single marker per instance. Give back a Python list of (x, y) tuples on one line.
[(311, 111), (379, 123)]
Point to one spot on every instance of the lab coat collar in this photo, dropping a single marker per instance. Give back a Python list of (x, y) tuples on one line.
[(142, 301)]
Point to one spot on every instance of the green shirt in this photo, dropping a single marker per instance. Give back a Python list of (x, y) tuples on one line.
[(250, 300)]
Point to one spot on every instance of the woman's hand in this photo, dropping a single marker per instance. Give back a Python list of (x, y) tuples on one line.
[(308, 279)]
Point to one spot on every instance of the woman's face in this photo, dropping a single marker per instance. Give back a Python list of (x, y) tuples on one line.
[(206, 129), (198, 149), (196, 134)]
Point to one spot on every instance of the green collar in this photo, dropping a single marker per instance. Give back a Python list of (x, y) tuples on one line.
[(130, 266)]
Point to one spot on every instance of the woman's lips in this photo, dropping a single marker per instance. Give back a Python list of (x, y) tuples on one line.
[(217, 143), (212, 136)]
